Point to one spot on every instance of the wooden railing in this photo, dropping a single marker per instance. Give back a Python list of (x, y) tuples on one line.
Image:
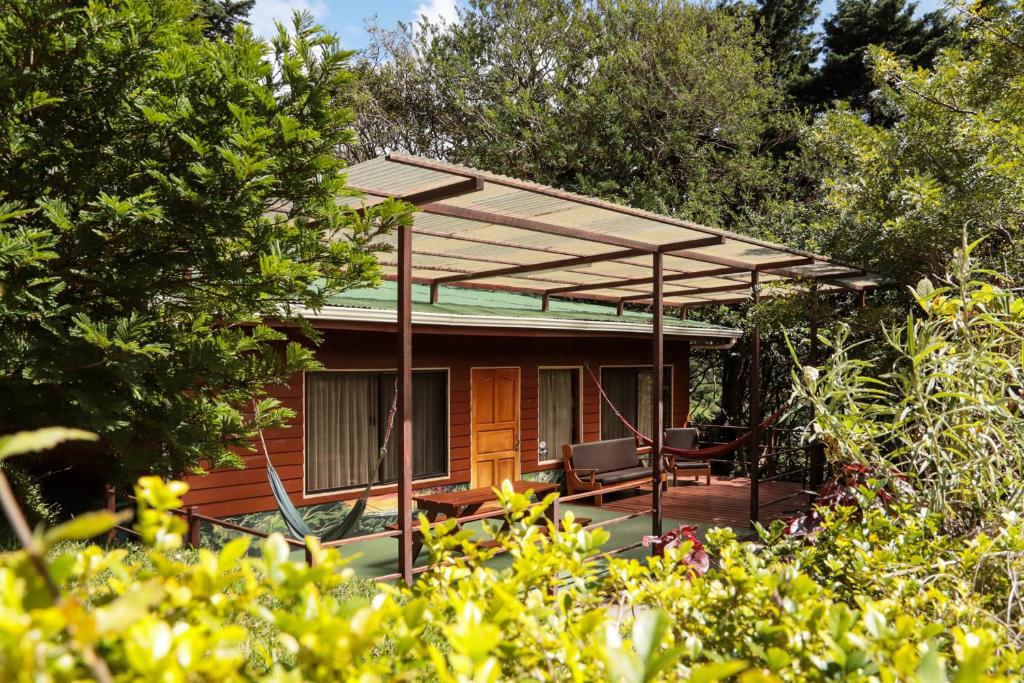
[(194, 518)]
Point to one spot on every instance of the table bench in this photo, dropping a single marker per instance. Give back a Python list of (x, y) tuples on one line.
[(464, 503)]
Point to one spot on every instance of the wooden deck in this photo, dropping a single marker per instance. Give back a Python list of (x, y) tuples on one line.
[(726, 502)]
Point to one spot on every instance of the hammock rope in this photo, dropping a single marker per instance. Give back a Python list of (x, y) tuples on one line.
[(293, 518), (697, 454)]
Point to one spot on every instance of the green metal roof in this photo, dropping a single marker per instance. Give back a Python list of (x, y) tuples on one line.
[(481, 302)]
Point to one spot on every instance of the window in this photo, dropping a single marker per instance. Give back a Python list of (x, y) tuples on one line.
[(558, 411), (346, 419), (630, 390)]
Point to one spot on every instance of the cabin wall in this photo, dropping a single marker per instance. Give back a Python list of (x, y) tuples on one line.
[(237, 491)]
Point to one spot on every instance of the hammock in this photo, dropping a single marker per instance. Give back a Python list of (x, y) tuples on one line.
[(293, 518), (697, 454)]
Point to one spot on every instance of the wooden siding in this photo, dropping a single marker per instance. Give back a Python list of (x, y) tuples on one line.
[(236, 491)]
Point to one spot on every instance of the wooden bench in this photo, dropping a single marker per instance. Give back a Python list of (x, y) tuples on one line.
[(687, 439), (600, 464)]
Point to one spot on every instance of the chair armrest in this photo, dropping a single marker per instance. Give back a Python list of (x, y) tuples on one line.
[(593, 472)]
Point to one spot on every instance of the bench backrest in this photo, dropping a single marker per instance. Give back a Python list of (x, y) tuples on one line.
[(605, 456), (684, 438)]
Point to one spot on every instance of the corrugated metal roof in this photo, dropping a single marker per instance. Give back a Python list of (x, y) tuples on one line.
[(477, 228), (498, 305)]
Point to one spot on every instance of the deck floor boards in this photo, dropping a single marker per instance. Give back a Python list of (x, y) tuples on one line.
[(726, 502)]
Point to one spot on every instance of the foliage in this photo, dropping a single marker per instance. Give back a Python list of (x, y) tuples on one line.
[(946, 416), (162, 195), (221, 16), (859, 24), (899, 198), (665, 106), (860, 605), (786, 28)]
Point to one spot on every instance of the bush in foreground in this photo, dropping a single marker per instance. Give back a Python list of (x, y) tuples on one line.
[(874, 599)]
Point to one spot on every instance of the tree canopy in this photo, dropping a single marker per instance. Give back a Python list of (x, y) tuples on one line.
[(857, 25), (163, 195), (899, 198), (665, 106)]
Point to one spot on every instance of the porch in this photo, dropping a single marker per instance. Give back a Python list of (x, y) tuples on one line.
[(726, 502)]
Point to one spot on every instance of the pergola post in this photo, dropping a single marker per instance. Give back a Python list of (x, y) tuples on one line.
[(817, 464), (753, 464), (404, 450), (658, 368)]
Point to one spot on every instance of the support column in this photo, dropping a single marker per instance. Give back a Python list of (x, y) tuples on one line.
[(755, 403), (658, 368), (816, 475), (404, 450)]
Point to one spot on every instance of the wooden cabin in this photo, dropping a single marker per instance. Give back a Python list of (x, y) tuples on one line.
[(499, 385), (500, 291)]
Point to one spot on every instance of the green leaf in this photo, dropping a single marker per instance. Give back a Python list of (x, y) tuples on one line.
[(710, 673), (85, 526), (40, 440)]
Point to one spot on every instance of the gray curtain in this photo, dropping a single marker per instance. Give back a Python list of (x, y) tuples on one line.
[(558, 408), (342, 428), (429, 425), (620, 385), (630, 390)]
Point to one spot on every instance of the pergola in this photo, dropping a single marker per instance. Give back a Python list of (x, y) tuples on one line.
[(482, 230)]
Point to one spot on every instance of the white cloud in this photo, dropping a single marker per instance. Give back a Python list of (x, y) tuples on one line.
[(266, 11), (435, 11)]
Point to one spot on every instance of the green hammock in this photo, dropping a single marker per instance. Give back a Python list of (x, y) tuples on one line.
[(293, 518)]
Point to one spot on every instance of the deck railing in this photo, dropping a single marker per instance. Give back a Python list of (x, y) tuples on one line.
[(194, 518)]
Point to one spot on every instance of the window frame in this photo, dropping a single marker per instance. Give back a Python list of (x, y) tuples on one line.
[(671, 394), (557, 461), (307, 494)]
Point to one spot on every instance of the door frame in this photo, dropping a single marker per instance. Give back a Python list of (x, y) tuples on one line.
[(519, 420)]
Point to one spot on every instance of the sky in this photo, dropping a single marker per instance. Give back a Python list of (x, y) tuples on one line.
[(347, 18)]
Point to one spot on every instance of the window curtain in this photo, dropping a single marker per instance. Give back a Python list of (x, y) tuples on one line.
[(342, 428), (558, 411), (630, 390), (644, 404), (620, 385), (429, 425)]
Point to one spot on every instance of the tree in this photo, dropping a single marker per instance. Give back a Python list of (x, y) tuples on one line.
[(786, 30), (899, 198), (859, 24), (665, 106), (163, 195), (221, 16)]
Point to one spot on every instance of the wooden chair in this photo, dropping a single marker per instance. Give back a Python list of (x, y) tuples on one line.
[(688, 439)]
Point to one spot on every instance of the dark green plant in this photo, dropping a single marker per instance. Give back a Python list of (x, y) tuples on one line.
[(947, 414), (163, 195)]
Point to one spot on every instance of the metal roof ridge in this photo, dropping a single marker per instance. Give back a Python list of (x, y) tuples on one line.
[(363, 314)]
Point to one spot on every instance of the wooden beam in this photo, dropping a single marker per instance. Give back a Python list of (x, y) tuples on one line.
[(433, 194), (513, 245), (658, 399), (405, 435), (612, 284), (746, 266), (536, 226), (559, 264), (695, 291)]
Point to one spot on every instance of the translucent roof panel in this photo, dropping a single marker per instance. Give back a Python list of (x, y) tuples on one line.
[(478, 229)]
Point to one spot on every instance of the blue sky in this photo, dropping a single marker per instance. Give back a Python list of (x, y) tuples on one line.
[(347, 18)]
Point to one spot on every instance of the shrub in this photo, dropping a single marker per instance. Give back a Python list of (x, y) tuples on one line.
[(947, 415), (557, 612)]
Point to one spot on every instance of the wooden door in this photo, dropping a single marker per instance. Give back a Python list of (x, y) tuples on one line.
[(495, 426)]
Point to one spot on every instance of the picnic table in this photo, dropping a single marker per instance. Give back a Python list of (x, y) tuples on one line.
[(457, 504)]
